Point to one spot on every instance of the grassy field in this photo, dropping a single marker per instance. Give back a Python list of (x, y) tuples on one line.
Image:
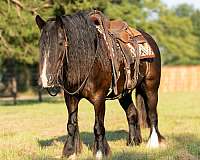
[(37, 131)]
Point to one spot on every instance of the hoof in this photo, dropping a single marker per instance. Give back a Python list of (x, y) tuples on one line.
[(102, 153), (58, 157), (153, 141), (136, 142), (99, 155), (72, 157)]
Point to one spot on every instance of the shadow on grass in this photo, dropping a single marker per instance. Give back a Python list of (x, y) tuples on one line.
[(188, 142), (86, 137), (30, 101), (185, 146)]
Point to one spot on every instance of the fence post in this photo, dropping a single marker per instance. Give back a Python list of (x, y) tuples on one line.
[(14, 90), (40, 95)]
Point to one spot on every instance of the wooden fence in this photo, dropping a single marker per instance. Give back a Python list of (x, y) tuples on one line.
[(173, 78), (180, 78)]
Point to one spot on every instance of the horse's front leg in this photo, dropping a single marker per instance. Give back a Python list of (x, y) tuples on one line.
[(101, 147), (73, 144), (132, 117)]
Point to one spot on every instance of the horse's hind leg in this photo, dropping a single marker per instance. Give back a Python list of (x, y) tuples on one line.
[(72, 145), (150, 95), (132, 117)]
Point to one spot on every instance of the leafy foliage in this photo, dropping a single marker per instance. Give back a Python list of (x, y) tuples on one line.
[(176, 30)]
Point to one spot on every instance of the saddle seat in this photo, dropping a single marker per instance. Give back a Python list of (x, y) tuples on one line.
[(117, 26), (122, 31)]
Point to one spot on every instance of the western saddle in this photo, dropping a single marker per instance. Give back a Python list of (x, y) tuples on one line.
[(123, 32)]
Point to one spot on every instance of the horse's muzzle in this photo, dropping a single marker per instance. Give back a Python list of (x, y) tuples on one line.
[(46, 81)]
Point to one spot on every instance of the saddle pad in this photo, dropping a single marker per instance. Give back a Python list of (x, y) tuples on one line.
[(145, 50)]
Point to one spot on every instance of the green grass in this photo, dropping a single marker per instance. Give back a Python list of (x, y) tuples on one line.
[(37, 131)]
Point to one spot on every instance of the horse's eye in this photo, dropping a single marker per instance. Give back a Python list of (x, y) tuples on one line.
[(61, 43)]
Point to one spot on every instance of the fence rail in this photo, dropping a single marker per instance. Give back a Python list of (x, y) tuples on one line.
[(180, 78)]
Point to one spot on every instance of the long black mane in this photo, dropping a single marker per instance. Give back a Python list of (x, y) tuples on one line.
[(84, 45)]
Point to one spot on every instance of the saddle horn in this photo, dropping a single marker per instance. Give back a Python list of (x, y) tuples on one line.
[(97, 17)]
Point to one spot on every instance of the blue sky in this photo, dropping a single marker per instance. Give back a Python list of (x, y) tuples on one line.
[(171, 3)]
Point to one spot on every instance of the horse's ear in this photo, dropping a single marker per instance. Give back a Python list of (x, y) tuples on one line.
[(59, 21), (40, 22)]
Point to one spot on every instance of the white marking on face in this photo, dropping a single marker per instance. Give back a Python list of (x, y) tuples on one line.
[(99, 155), (153, 140), (72, 157), (43, 76)]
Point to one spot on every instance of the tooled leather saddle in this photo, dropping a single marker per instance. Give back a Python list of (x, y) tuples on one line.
[(125, 33)]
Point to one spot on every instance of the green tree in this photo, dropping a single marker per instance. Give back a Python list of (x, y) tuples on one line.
[(196, 22), (196, 25), (184, 10), (176, 30)]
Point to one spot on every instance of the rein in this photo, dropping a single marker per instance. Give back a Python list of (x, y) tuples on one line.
[(60, 70)]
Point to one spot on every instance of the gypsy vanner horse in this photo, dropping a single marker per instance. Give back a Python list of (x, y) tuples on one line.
[(74, 55)]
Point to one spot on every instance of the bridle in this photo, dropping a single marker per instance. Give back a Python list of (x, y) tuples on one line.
[(60, 69)]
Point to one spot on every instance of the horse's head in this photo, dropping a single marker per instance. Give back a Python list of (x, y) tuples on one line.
[(52, 45)]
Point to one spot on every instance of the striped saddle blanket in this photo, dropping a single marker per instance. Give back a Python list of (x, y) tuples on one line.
[(145, 50)]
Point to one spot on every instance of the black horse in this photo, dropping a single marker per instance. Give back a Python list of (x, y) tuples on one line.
[(74, 56)]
